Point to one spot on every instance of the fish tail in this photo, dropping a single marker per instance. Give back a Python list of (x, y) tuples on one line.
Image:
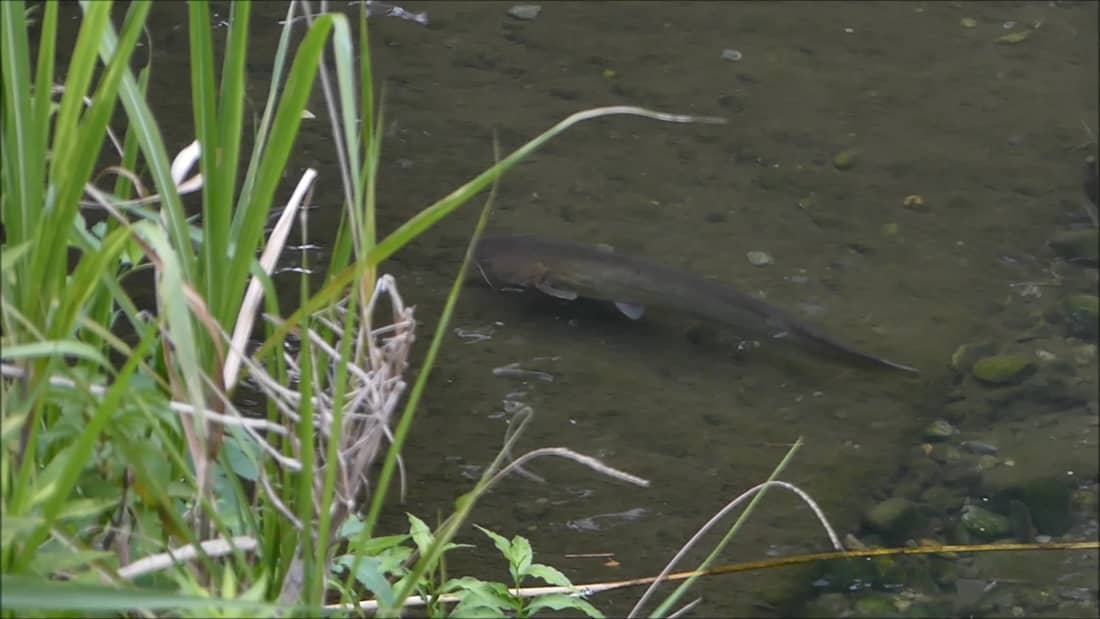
[(829, 344)]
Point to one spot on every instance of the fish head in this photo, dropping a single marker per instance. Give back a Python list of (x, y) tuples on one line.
[(500, 267)]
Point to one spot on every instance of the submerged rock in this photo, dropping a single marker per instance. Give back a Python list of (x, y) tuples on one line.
[(1022, 527), (984, 523), (828, 605), (1047, 501), (939, 430), (895, 518), (845, 159), (1077, 245), (759, 258), (525, 12), (1082, 315), (943, 498), (874, 605), (1003, 369), (966, 355)]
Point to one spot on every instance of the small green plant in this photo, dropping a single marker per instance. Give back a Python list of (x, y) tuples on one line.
[(383, 567), (378, 560), (494, 599)]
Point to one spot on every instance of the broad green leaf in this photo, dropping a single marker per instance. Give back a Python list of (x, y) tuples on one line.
[(478, 594), (242, 455), (560, 601), (352, 525), (520, 557), (477, 609), (549, 574), (457, 584), (375, 545), (371, 574), (502, 543), (421, 534)]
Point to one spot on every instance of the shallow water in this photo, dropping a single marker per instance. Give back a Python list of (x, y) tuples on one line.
[(990, 135)]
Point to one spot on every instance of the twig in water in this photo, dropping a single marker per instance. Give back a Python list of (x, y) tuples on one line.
[(569, 454)]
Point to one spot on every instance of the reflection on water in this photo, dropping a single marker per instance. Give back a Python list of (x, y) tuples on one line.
[(603, 522)]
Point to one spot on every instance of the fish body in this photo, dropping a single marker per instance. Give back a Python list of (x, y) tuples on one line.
[(568, 270)]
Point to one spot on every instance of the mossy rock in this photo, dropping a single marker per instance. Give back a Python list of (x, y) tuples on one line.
[(896, 519), (1003, 369), (984, 523), (846, 159), (1077, 245), (967, 355), (874, 605), (943, 498), (1047, 500), (939, 430), (827, 605), (1082, 315)]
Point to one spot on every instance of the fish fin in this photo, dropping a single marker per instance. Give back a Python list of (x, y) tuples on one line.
[(546, 288), (604, 247), (632, 311)]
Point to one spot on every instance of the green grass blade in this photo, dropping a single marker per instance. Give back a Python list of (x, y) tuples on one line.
[(54, 348), (389, 465), (19, 127), (366, 123), (230, 120), (429, 216), (260, 142), (666, 605), (283, 134), (347, 130), (26, 594), (94, 265), (176, 313), (144, 126), (43, 91), (203, 94), (51, 224)]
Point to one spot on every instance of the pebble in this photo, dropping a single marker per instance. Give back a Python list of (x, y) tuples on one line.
[(758, 258), (939, 430), (525, 12), (845, 159), (979, 447), (732, 55)]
